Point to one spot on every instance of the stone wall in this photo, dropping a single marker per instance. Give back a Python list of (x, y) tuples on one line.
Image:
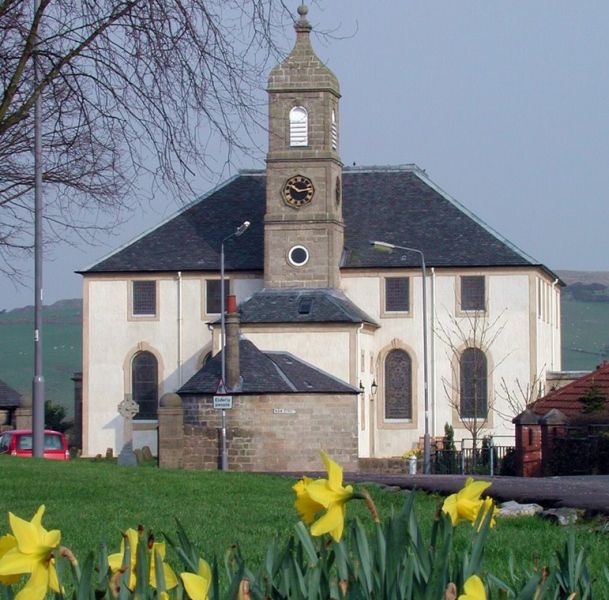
[(272, 432)]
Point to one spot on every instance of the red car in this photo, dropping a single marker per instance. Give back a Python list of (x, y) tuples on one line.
[(19, 443)]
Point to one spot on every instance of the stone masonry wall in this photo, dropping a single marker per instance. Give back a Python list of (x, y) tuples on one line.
[(272, 433)]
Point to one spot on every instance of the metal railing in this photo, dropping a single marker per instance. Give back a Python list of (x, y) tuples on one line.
[(488, 458)]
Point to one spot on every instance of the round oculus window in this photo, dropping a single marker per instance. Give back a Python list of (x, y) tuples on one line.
[(298, 256)]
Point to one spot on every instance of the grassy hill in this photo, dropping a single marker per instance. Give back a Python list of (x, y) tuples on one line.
[(585, 319), (61, 349), (585, 328)]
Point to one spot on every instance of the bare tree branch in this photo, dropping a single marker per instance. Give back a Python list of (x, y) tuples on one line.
[(473, 330), (130, 88)]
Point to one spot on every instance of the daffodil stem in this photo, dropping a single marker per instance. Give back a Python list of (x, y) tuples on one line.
[(365, 496), (67, 553)]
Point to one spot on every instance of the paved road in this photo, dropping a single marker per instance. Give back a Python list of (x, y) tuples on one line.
[(588, 492)]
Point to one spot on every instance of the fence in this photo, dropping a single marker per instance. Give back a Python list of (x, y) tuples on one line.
[(488, 459)]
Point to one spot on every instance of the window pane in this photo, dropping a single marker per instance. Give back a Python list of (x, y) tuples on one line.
[(397, 294), (473, 384), (472, 293), (144, 297), (144, 385), (398, 385), (213, 293)]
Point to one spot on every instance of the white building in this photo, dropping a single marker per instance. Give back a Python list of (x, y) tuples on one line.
[(309, 282)]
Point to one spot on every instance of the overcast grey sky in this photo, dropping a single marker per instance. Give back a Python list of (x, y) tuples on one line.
[(505, 104)]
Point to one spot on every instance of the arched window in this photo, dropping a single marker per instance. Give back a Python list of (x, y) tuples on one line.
[(334, 131), (144, 384), (398, 385), (473, 384), (299, 129)]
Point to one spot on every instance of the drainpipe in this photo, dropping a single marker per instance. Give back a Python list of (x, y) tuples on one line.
[(179, 328), (358, 371), (552, 323), (432, 353)]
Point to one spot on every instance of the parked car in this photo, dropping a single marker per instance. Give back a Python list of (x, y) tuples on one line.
[(19, 442)]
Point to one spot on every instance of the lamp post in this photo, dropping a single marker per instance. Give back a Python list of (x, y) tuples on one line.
[(237, 233), (386, 247)]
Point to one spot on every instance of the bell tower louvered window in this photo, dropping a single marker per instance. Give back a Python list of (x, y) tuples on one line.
[(398, 385), (299, 123), (334, 131)]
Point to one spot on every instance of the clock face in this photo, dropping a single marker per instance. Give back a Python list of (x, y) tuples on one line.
[(298, 191)]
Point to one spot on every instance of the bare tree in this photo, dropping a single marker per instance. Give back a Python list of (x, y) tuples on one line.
[(467, 340), (129, 87), (517, 397)]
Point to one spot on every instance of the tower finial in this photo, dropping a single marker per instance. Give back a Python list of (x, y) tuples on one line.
[(302, 24)]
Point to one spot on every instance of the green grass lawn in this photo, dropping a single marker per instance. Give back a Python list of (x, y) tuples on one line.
[(91, 502)]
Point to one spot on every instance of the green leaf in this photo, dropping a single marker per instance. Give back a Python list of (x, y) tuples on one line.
[(84, 590), (159, 573), (305, 539)]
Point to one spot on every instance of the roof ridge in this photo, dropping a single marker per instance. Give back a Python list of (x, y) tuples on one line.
[(422, 174)]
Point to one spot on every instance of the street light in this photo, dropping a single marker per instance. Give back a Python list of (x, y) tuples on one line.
[(237, 233), (386, 247)]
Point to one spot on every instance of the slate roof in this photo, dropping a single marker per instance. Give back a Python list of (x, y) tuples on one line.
[(267, 373), (9, 398), (298, 305), (399, 205), (567, 399)]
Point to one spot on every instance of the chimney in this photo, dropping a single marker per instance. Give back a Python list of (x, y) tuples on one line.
[(233, 372)]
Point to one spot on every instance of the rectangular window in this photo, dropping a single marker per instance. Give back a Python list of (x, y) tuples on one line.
[(473, 296), (144, 298), (397, 294), (213, 300)]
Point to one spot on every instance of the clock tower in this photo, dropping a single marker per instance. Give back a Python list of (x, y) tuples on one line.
[(303, 225)]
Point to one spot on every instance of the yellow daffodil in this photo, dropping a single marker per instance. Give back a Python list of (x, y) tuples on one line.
[(474, 589), (115, 561), (306, 507), (30, 551), (466, 504), (312, 496), (197, 584), (8, 542)]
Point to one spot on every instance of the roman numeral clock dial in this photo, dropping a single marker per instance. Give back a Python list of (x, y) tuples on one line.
[(298, 191)]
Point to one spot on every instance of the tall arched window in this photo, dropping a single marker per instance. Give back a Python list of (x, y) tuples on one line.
[(398, 385), (473, 373), (144, 384), (299, 127)]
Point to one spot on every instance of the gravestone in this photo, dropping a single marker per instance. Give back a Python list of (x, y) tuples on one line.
[(127, 409)]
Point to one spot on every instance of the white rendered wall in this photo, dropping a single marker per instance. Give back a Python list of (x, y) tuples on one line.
[(112, 337), (516, 352)]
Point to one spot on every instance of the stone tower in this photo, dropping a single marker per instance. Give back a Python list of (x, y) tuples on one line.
[(303, 222)]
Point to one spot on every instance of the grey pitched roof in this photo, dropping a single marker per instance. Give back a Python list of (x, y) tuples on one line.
[(399, 205), (267, 373), (298, 305), (9, 398)]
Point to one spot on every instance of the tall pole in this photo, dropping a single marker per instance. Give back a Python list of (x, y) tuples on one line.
[(387, 247), (238, 232), (224, 451), (38, 381)]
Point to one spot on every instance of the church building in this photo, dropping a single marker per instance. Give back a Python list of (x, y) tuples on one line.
[(338, 345)]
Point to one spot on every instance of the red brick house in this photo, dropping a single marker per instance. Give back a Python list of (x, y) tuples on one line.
[(568, 415)]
